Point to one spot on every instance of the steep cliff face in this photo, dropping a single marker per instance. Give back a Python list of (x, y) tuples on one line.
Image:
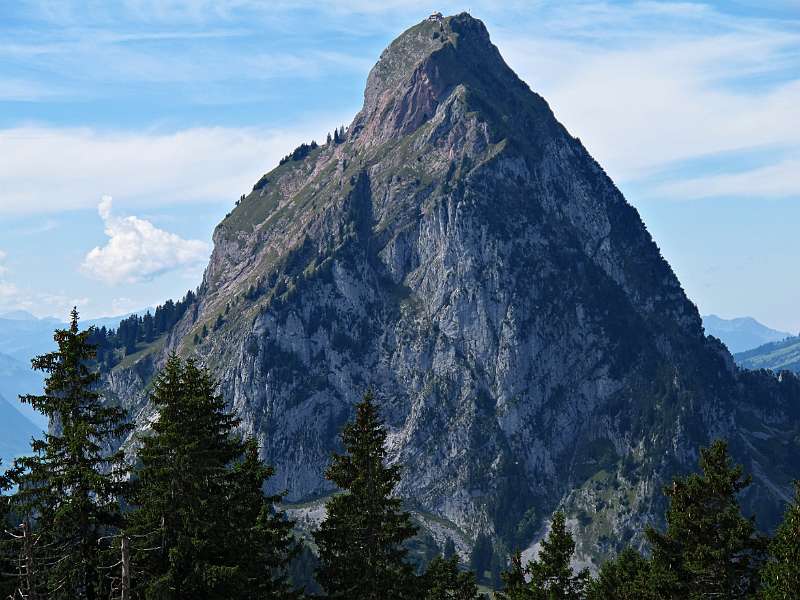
[(461, 253)]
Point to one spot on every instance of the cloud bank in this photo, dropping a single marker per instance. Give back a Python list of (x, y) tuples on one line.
[(137, 250), (54, 169)]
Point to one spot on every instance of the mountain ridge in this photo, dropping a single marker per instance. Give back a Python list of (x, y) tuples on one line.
[(461, 253), (741, 334)]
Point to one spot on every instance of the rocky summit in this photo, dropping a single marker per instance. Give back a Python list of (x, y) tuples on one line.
[(457, 250)]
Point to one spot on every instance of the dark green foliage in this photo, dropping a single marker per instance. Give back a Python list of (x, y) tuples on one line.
[(514, 585), (550, 576), (422, 549), (300, 152), (301, 571), (624, 578), (261, 183), (361, 541), (444, 581), (480, 559), (551, 573), (135, 330), (202, 525), (70, 485), (260, 540), (7, 555), (709, 549), (781, 574)]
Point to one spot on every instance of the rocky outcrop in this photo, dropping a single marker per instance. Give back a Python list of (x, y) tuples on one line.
[(461, 253)]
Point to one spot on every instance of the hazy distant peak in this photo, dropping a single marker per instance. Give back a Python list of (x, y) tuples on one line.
[(741, 333)]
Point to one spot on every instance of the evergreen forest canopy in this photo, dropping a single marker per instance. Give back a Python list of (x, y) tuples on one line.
[(190, 519), (112, 345)]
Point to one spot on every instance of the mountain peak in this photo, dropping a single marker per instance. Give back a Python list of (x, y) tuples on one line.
[(422, 67), (465, 256)]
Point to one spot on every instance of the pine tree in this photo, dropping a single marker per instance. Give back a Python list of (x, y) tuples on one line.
[(7, 559), (709, 549), (361, 539), (551, 573), (781, 575), (626, 577), (203, 526), (263, 546), (514, 585), (70, 486), (444, 581), (180, 488)]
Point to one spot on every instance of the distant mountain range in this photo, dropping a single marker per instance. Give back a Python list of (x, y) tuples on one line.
[(777, 356), (741, 334), (23, 336), (15, 432)]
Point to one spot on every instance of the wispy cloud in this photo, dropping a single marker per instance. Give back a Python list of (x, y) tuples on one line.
[(142, 169), (781, 180), (650, 84)]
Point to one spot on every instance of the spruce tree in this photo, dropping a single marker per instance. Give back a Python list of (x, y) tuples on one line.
[(70, 487), (202, 527), (551, 573), (361, 541), (263, 545), (781, 575), (515, 587), (709, 549), (625, 577), (8, 580), (444, 581)]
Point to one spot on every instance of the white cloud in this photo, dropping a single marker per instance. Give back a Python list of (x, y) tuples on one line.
[(776, 181), (641, 97), (137, 250), (51, 170)]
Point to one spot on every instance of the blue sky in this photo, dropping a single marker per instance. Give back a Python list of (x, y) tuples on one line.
[(175, 108)]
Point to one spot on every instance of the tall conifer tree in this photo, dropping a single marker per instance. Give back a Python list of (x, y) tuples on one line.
[(550, 576), (781, 574), (8, 580), (70, 486), (626, 577), (361, 539), (263, 545), (202, 524), (515, 586), (709, 550), (551, 573), (444, 581)]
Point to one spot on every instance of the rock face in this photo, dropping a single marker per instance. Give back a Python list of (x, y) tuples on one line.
[(461, 253)]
